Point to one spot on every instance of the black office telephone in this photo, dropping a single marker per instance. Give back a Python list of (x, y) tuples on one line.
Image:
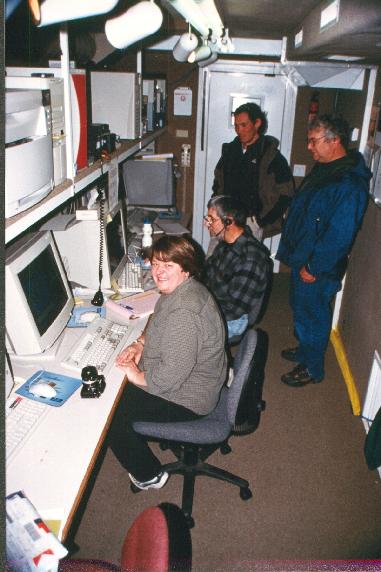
[(98, 298)]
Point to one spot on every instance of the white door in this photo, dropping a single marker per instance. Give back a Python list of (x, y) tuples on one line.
[(222, 87)]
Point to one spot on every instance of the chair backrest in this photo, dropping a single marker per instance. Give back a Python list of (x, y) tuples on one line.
[(158, 541), (244, 401)]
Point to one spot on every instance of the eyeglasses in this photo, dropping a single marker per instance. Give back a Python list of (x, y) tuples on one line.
[(313, 140), (209, 220)]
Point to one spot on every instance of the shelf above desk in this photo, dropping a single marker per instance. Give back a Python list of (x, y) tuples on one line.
[(19, 223)]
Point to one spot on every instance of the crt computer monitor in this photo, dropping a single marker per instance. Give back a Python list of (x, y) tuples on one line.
[(149, 182), (79, 246), (38, 298)]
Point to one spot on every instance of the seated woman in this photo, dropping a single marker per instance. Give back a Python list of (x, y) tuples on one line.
[(177, 367)]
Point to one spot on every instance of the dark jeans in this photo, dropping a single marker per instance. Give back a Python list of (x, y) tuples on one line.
[(311, 304), (130, 448)]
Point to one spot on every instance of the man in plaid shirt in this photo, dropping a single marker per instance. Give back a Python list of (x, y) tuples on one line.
[(237, 272)]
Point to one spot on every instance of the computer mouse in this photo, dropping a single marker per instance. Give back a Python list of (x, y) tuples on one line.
[(88, 316), (42, 389)]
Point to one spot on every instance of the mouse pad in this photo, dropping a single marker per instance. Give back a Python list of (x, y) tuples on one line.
[(63, 385)]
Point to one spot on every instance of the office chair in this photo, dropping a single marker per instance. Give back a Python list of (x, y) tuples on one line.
[(158, 540), (236, 412)]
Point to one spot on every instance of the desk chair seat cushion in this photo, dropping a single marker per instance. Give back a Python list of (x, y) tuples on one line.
[(215, 427), (158, 541)]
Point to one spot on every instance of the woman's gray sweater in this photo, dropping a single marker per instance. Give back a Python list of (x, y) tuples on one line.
[(184, 357)]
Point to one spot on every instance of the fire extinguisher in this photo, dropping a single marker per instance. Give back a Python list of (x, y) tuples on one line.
[(313, 109)]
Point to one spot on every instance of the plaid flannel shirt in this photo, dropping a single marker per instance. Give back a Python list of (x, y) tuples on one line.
[(237, 273)]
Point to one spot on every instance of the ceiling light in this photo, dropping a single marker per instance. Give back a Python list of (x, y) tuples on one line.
[(201, 14), (192, 13), (45, 12), (138, 22), (210, 60), (201, 53), (226, 44), (330, 14), (344, 58), (185, 46)]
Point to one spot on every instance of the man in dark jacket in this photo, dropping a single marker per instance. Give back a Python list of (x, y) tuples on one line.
[(252, 170), (317, 237)]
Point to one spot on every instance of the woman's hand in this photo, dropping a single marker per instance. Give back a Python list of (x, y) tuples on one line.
[(132, 352), (133, 373)]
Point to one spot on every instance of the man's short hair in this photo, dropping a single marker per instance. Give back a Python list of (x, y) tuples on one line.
[(254, 112), (229, 207), (334, 126)]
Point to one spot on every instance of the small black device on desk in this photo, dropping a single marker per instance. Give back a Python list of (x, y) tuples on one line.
[(93, 384)]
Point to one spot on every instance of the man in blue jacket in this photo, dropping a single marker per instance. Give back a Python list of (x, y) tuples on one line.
[(318, 234)]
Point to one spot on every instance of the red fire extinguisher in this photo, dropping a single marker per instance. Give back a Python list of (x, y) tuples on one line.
[(313, 109)]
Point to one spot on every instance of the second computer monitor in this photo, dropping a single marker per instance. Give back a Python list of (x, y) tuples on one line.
[(79, 246), (149, 182)]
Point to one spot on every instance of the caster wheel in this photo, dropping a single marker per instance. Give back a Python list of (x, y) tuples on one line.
[(225, 449), (245, 494), (190, 521), (163, 446)]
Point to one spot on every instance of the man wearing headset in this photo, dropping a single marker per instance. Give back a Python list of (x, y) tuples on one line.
[(237, 272)]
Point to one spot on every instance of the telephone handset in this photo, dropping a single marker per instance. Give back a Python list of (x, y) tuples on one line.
[(98, 296)]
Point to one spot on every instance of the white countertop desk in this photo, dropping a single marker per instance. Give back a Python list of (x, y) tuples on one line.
[(55, 463)]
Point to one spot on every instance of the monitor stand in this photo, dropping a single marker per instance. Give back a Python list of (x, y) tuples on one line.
[(49, 354)]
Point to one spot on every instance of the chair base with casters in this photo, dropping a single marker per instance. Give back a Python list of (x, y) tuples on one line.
[(193, 442), (191, 464)]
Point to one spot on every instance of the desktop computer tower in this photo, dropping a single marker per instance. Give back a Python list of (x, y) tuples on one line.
[(53, 98), (116, 101), (78, 96)]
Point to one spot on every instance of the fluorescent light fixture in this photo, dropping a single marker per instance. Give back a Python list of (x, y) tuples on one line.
[(202, 15), (343, 58), (185, 45), (330, 14), (298, 40), (201, 53), (138, 22), (45, 12)]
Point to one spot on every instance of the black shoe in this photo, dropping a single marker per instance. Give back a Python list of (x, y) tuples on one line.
[(298, 377), (289, 354)]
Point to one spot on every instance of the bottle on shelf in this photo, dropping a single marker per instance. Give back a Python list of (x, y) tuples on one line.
[(147, 234)]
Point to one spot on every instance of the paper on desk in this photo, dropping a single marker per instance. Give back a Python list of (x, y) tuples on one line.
[(31, 545), (170, 227), (136, 306)]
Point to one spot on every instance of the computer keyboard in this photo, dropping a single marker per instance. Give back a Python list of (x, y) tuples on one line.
[(101, 342), (21, 420), (131, 278)]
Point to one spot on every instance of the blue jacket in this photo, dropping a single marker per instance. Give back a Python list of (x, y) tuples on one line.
[(324, 217)]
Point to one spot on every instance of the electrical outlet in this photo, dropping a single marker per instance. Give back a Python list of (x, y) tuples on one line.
[(185, 155)]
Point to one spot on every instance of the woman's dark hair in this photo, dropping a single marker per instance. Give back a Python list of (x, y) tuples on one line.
[(254, 112), (177, 249)]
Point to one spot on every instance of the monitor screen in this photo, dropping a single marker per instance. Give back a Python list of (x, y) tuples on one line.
[(115, 241), (38, 296), (149, 182)]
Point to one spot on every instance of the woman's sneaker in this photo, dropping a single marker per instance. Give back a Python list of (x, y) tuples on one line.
[(156, 483)]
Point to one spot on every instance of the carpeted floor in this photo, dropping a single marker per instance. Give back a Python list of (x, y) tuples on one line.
[(313, 495)]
